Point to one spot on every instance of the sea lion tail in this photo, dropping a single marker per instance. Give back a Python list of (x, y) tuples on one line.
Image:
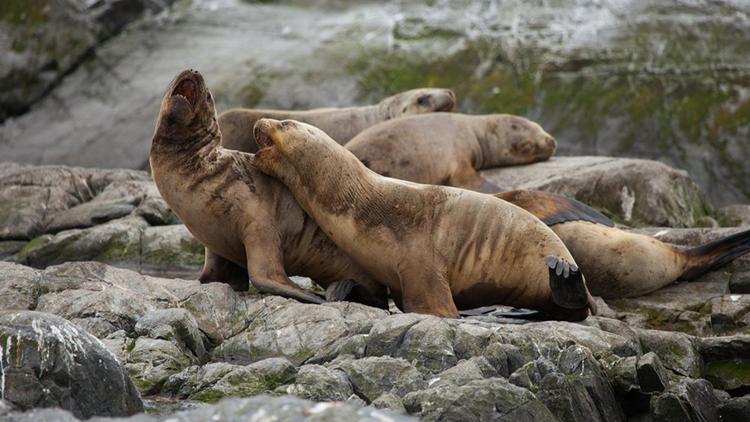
[(712, 255)]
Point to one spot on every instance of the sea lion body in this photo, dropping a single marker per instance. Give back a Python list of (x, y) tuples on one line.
[(436, 248), (618, 263), (448, 148), (249, 223), (342, 124)]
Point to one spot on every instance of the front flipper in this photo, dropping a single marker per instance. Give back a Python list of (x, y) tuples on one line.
[(351, 291), (467, 177), (567, 284)]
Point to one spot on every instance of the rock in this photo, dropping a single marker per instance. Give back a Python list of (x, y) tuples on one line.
[(176, 325), (739, 282), (318, 383), (734, 215), (218, 310), (152, 361), (373, 376), (216, 381), (736, 409), (479, 400), (726, 347), (688, 400), (635, 191), (505, 358), (387, 333), (286, 328), (467, 370), (43, 415), (48, 361), (20, 287), (389, 401), (429, 345), (727, 361), (675, 350), (170, 250), (652, 377)]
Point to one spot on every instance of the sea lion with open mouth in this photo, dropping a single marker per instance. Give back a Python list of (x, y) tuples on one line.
[(249, 223), (342, 124), (449, 148), (437, 249)]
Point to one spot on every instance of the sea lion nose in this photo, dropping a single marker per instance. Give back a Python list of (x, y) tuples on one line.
[(551, 143)]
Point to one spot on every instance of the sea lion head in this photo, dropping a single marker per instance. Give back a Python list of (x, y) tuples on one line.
[(284, 146), (187, 109), (417, 101), (511, 140)]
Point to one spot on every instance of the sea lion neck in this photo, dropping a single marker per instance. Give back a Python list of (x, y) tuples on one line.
[(481, 129), (186, 143)]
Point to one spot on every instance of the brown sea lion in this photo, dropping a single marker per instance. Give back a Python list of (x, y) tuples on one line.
[(435, 248), (249, 223), (618, 263), (448, 148), (342, 124)]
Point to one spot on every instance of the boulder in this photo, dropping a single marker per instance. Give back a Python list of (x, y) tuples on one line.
[(688, 400), (49, 362), (318, 383), (373, 376), (734, 215), (636, 192)]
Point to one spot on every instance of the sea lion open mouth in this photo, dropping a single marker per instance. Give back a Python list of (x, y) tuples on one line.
[(262, 138), (186, 89)]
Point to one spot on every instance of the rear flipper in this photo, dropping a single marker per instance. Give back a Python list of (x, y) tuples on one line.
[(351, 291), (566, 282), (714, 254)]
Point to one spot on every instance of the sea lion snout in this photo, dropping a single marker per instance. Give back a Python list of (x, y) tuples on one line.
[(262, 131)]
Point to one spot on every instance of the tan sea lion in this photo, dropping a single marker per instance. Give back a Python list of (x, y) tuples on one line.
[(249, 223), (435, 248), (342, 124), (618, 263), (448, 148)]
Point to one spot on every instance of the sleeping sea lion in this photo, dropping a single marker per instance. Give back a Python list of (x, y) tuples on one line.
[(618, 263), (342, 124), (436, 248), (249, 223), (448, 148)]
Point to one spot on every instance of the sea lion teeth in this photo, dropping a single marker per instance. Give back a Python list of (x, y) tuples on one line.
[(187, 90)]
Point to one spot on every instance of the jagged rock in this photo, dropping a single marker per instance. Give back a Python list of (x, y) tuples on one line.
[(688, 400), (176, 325), (152, 361), (479, 400), (215, 381), (635, 191), (387, 333), (218, 310), (736, 409), (318, 383), (734, 215), (739, 282), (48, 361), (170, 249), (652, 377), (373, 376), (389, 401), (467, 370), (20, 287), (675, 350), (428, 343)]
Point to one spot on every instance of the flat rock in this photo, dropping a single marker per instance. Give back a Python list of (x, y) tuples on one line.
[(49, 362), (637, 192)]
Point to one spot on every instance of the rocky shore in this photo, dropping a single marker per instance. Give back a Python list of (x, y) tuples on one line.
[(96, 283)]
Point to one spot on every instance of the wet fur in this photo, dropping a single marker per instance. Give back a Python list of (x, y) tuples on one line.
[(342, 124)]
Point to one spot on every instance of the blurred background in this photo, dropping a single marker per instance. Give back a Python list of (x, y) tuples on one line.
[(81, 80)]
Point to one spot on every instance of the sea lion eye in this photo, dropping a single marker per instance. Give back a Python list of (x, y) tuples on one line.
[(423, 100), (208, 97)]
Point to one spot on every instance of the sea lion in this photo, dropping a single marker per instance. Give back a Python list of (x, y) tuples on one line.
[(449, 148), (618, 263), (249, 223), (342, 124), (436, 248)]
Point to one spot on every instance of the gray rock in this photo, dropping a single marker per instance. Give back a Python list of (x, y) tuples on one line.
[(634, 191), (176, 325), (652, 377), (215, 381), (429, 345), (466, 370), (42, 415), (152, 361), (387, 333), (318, 383), (170, 250), (623, 375), (734, 215), (373, 376), (726, 347), (688, 400), (20, 287), (389, 401), (505, 358), (736, 409), (676, 351), (218, 310), (480, 400), (739, 282), (48, 361)]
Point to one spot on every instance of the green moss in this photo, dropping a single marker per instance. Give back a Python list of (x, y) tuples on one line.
[(728, 374), (29, 12)]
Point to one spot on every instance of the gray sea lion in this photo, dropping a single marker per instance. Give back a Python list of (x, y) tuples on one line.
[(436, 248), (342, 124), (448, 148), (618, 263), (249, 223)]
